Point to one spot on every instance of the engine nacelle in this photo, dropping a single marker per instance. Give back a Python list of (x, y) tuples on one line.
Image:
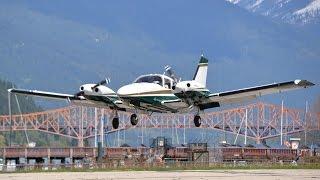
[(185, 86), (88, 89)]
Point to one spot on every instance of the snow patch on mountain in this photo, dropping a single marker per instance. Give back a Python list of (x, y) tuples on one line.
[(311, 8), (256, 4), (234, 1), (290, 11)]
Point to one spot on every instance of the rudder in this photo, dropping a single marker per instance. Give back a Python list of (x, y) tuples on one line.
[(200, 75)]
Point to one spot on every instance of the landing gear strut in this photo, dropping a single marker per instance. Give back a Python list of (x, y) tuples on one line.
[(115, 123), (197, 120), (134, 119)]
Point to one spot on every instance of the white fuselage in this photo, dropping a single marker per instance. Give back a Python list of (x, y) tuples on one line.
[(148, 91)]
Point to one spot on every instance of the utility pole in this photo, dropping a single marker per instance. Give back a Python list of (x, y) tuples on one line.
[(142, 133), (305, 124), (184, 129), (10, 113), (246, 130), (281, 124), (102, 126), (95, 127)]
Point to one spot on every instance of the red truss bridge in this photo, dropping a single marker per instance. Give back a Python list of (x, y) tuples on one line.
[(257, 121)]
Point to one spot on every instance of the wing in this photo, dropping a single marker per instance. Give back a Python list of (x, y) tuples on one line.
[(45, 94), (95, 101), (175, 104), (217, 99)]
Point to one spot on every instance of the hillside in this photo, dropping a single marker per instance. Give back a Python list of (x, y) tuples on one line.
[(27, 105), (59, 46)]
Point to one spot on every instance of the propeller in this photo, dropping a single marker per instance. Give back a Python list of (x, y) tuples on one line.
[(80, 93), (105, 81), (169, 71)]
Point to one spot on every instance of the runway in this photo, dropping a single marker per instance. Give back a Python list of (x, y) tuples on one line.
[(173, 175)]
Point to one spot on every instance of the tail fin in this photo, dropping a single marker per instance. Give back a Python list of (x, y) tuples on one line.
[(201, 72)]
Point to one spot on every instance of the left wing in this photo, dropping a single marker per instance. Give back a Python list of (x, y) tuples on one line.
[(96, 101), (227, 97), (45, 94)]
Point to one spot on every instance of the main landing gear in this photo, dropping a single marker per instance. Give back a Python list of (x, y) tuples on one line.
[(197, 120), (134, 119)]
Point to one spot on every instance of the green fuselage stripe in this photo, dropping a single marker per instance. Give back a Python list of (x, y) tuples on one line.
[(153, 100)]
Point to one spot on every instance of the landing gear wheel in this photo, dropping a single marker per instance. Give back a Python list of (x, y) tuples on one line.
[(134, 119), (115, 123), (197, 120)]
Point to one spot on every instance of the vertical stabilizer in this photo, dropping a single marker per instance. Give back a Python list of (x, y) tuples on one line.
[(201, 73)]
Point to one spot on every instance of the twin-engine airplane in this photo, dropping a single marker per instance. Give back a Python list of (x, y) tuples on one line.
[(164, 93)]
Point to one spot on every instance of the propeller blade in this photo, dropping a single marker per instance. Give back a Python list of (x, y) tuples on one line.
[(106, 81), (169, 71)]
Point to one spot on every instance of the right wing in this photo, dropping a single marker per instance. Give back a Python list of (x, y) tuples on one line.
[(235, 96), (254, 92)]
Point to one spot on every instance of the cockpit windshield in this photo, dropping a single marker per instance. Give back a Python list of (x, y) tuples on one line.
[(150, 79)]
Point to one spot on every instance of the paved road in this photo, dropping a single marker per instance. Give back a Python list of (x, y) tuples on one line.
[(174, 175)]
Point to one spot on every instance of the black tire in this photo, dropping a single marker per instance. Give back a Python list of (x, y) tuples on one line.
[(197, 121), (115, 123), (134, 119)]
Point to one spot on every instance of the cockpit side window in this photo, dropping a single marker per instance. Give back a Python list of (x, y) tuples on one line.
[(150, 79)]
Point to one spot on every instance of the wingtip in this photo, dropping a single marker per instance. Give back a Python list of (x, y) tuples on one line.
[(304, 83)]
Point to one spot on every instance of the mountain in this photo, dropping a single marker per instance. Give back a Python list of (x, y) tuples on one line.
[(300, 12), (26, 103), (57, 46)]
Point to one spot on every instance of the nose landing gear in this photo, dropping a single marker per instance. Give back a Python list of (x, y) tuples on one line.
[(115, 122), (134, 119)]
